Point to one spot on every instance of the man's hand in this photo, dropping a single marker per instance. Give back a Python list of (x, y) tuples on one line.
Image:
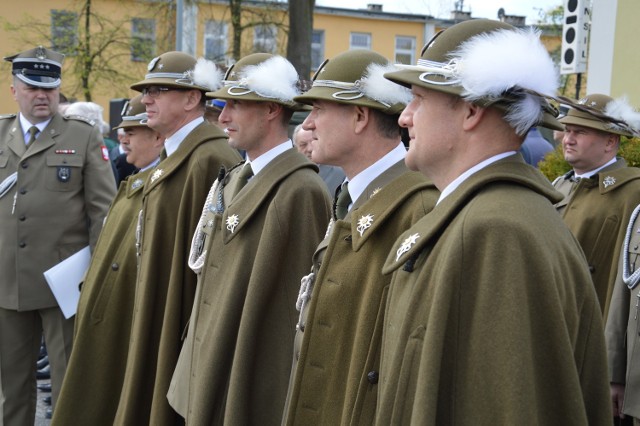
[(617, 399)]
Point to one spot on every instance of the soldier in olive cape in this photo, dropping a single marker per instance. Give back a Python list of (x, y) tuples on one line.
[(103, 322), (174, 192), (55, 188), (354, 123), (492, 317), (251, 248), (601, 191)]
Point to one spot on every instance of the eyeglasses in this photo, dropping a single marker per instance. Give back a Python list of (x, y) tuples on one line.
[(154, 91)]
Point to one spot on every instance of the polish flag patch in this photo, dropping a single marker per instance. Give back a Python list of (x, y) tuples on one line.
[(105, 153)]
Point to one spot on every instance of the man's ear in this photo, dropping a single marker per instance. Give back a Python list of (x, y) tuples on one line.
[(361, 118), (472, 115)]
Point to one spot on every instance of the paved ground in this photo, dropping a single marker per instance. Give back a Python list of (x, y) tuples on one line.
[(41, 407)]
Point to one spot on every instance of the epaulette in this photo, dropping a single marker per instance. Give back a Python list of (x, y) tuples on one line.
[(3, 116), (80, 118)]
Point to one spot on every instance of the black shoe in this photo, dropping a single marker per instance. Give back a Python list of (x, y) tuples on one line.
[(44, 373), (49, 413), (43, 362), (45, 387), (47, 400)]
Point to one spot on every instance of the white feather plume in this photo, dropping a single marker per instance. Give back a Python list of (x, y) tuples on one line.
[(620, 109), (492, 64), (206, 74), (274, 78), (376, 87)]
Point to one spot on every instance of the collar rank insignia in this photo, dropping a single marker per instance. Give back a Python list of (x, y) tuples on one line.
[(156, 175), (406, 245), (136, 184), (375, 191), (232, 222), (364, 223), (608, 181)]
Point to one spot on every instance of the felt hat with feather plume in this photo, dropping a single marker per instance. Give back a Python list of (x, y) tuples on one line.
[(261, 77), (356, 77), (179, 70), (490, 63), (134, 114), (602, 112)]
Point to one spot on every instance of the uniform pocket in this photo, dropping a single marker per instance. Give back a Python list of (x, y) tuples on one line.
[(64, 172)]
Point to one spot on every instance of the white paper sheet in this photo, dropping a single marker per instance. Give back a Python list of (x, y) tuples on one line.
[(64, 279)]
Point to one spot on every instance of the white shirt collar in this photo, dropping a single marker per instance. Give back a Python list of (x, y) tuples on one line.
[(26, 125), (150, 165), (593, 172), (464, 176), (262, 161), (359, 183), (171, 144)]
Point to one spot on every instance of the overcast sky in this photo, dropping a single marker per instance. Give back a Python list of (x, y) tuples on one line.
[(442, 8)]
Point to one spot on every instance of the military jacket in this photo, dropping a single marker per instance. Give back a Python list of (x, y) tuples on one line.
[(491, 316), (95, 372), (57, 206), (337, 348), (623, 340), (173, 195), (597, 211), (243, 325)]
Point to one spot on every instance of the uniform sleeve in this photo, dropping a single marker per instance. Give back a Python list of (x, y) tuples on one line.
[(99, 185)]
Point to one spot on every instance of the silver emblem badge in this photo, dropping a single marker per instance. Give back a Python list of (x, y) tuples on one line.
[(608, 181), (232, 222), (156, 175), (375, 191), (364, 223), (64, 174), (152, 63), (136, 184), (406, 245)]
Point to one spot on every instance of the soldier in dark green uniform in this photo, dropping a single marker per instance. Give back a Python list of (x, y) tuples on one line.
[(58, 186), (250, 249), (354, 125), (491, 317), (174, 192), (103, 321), (601, 191)]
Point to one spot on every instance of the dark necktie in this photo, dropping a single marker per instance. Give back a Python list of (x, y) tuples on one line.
[(243, 177), (33, 131), (163, 154), (342, 201)]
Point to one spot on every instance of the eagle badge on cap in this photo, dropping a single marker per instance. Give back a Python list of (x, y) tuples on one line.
[(153, 63), (40, 53)]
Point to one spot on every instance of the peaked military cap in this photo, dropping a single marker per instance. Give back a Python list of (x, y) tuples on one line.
[(172, 69), (490, 63), (40, 67), (134, 114), (596, 111), (260, 77), (356, 77)]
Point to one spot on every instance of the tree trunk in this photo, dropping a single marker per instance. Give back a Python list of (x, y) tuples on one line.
[(86, 53), (300, 31), (236, 23)]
